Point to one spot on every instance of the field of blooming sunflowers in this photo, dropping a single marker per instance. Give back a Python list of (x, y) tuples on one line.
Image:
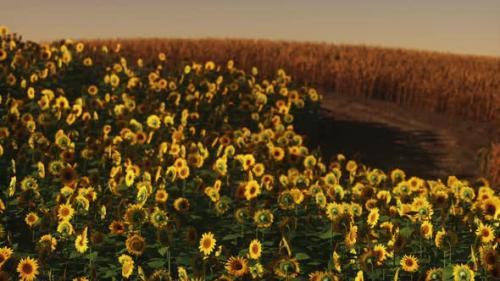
[(114, 169)]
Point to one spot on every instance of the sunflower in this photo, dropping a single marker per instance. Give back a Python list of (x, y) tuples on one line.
[(255, 249), (117, 227), (252, 189), (5, 253), (373, 217), (359, 276), (287, 268), (135, 244), (277, 153), (380, 253), (135, 215), (159, 218), (488, 256), (333, 210), (161, 196), (336, 261), (286, 200), (160, 275), (409, 263), (154, 122), (257, 271), (81, 242), (491, 208), (426, 229), (65, 228), (434, 274), (127, 268), (207, 243), (462, 272), (32, 219), (65, 212), (351, 237), (263, 218), (3, 54), (28, 269), (114, 80), (68, 175), (397, 175), (316, 276), (351, 166), (237, 266), (92, 90), (87, 61), (258, 169), (49, 242), (181, 204), (309, 162), (440, 235), (29, 183), (183, 172), (486, 233), (220, 166)]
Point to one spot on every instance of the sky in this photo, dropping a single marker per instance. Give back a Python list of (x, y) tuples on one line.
[(457, 26)]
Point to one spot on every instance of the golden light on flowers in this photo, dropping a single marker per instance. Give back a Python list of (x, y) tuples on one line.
[(236, 266), (207, 243), (27, 269), (409, 263), (113, 153), (485, 233), (255, 249)]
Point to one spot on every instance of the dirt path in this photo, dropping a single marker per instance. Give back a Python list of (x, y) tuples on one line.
[(387, 136)]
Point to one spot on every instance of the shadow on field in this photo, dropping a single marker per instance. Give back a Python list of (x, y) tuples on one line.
[(373, 144)]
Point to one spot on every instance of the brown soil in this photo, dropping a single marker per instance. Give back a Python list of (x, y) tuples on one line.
[(385, 135)]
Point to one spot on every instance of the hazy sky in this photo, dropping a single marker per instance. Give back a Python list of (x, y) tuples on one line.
[(460, 26)]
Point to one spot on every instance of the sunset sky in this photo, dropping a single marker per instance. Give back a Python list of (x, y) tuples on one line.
[(459, 26)]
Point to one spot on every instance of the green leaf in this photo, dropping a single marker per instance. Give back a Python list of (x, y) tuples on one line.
[(156, 263), (406, 232), (328, 234), (302, 256), (232, 236), (163, 251), (92, 256)]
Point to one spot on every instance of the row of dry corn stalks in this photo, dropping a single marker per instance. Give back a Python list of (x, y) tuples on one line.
[(467, 86)]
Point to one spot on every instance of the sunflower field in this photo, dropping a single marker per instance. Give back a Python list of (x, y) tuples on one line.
[(114, 169)]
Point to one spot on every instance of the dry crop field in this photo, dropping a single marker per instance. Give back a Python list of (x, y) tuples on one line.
[(116, 168), (459, 85)]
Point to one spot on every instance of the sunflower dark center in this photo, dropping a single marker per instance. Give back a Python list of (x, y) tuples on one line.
[(27, 268)]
